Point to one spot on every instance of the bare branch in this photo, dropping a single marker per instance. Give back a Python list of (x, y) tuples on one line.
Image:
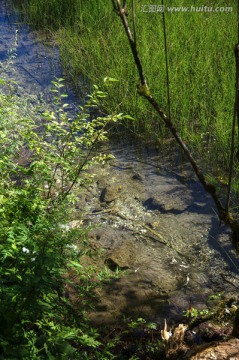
[(122, 14), (134, 22), (144, 91)]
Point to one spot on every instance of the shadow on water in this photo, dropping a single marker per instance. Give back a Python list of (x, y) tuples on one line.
[(199, 203), (204, 262), (200, 249)]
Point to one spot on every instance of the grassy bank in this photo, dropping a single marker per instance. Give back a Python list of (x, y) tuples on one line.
[(93, 45)]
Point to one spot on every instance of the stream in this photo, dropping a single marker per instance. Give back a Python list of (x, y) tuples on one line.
[(36, 61), (149, 213)]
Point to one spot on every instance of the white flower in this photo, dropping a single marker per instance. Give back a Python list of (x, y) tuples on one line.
[(25, 250), (72, 246)]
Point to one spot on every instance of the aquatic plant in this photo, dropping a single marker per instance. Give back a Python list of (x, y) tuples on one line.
[(143, 90), (92, 44)]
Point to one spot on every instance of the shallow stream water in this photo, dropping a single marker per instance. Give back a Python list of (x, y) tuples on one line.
[(164, 230), (36, 61), (161, 227)]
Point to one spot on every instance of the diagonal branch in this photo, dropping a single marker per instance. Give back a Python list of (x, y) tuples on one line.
[(121, 10), (144, 91)]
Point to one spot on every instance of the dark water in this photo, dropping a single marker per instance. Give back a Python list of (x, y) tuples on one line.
[(36, 60)]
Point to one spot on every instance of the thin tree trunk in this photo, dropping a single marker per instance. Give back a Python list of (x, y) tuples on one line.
[(143, 90)]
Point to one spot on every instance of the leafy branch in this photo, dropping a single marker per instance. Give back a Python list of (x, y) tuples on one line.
[(43, 163)]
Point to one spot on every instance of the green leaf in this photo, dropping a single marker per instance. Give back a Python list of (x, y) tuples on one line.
[(110, 79), (128, 117), (89, 341), (75, 264)]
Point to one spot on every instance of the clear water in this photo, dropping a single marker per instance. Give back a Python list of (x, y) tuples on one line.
[(36, 63), (186, 218)]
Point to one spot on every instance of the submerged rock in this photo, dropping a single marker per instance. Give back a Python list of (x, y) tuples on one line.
[(137, 176), (110, 193), (123, 256), (166, 234)]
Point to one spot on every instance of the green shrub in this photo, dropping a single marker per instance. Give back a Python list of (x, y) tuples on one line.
[(43, 163)]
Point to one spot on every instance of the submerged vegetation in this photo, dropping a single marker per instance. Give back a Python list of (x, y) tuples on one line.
[(46, 152), (200, 50)]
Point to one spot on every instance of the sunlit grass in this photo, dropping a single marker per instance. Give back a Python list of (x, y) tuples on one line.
[(93, 45), (201, 59)]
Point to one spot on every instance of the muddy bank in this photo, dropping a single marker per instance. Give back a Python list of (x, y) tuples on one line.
[(161, 228)]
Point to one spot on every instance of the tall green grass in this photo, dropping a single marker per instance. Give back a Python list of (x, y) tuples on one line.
[(93, 45)]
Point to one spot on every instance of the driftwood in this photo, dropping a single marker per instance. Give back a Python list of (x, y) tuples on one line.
[(143, 90)]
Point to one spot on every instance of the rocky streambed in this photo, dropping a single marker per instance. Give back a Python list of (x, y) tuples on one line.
[(152, 219), (160, 227)]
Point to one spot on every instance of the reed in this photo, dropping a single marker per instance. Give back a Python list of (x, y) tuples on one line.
[(93, 45)]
